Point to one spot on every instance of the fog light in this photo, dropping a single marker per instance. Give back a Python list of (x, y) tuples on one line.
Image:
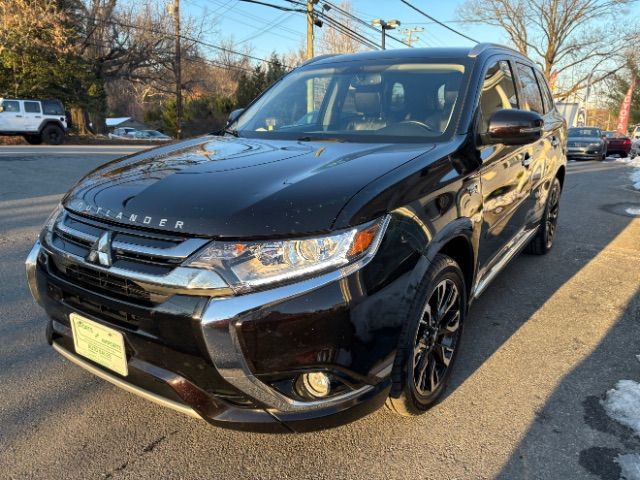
[(316, 384)]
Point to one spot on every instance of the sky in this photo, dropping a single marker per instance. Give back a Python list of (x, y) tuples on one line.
[(268, 29)]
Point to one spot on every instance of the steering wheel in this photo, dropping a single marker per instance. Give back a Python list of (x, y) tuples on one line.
[(417, 123)]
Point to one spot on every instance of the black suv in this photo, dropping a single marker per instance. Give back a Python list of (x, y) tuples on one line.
[(317, 259)]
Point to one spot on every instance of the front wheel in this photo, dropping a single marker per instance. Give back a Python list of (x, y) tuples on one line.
[(543, 241), (429, 340), (53, 135)]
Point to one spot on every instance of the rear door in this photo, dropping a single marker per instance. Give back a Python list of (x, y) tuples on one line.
[(32, 115), (503, 175), (11, 118), (544, 153)]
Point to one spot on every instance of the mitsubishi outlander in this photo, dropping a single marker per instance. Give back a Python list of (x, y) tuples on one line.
[(316, 259)]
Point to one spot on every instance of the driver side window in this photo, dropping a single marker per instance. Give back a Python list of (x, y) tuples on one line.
[(498, 92)]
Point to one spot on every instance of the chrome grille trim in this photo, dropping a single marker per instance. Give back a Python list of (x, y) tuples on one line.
[(174, 278), (179, 251), (188, 281)]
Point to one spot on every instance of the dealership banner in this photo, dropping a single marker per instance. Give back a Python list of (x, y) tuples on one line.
[(625, 108)]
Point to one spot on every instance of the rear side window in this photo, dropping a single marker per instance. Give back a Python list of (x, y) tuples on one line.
[(52, 107), (498, 92), (32, 107), (532, 99), (547, 98), (11, 106)]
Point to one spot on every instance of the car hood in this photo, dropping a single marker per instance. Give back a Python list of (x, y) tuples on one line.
[(236, 187)]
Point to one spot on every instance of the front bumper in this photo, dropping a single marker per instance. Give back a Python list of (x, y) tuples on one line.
[(585, 153), (233, 360)]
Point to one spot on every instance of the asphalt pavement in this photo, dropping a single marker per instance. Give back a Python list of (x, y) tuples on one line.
[(542, 346)]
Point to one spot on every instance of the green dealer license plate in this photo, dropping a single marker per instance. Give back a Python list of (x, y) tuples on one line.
[(101, 344)]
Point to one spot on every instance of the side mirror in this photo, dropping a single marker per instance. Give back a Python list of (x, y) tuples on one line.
[(513, 127), (233, 116)]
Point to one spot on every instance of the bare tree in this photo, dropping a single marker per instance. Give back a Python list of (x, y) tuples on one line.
[(574, 38)]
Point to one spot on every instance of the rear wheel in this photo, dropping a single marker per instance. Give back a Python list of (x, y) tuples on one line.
[(543, 241), (623, 154), (429, 340), (33, 139), (53, 135)]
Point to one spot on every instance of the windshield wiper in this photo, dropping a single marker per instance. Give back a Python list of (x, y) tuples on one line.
[(320, 139)]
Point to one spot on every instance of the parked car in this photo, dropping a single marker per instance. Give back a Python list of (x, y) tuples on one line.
[(152, 135), (618, 144), (123, 133), (35, 120), (292, 277), (586, 143), (635, 132)]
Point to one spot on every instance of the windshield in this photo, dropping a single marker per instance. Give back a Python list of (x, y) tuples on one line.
[(384, 102), (584, 132)]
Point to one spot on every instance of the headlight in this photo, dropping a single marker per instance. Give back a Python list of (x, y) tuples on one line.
[(596, 144), (246, 265)]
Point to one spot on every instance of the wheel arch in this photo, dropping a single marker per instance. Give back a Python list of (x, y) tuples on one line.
[(560, 174), (45, 123), (458, 241)]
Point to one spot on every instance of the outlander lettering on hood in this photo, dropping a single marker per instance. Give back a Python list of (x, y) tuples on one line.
[(130, 218)]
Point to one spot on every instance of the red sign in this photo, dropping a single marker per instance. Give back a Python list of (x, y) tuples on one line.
[(625, 109)]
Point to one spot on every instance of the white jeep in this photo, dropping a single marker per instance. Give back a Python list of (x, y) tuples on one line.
[(36, 120)]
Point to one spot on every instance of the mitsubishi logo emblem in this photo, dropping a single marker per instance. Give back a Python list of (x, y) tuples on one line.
[(101, 251)]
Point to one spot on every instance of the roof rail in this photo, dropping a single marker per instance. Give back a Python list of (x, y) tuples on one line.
[(481, 47), (315, 59)]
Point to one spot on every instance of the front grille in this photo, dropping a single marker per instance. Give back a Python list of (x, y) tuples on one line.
[(133, 252), (105, 282)]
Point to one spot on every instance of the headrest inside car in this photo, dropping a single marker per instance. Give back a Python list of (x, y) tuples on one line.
[(367, 103)]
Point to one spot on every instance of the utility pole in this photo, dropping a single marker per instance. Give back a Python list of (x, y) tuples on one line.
[(310, 20), (408, 32), (385, 25), (178, 68)]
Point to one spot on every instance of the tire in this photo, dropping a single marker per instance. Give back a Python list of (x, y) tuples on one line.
[(53, 135), (33, 139), (422, 346), (623, 154), (542, 243)]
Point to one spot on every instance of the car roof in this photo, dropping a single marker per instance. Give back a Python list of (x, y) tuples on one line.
[(31, 99), (416, 53)]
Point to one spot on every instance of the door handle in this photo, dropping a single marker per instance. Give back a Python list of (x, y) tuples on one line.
[(18, 116), (526, 160), (37, 116), (555, 142)]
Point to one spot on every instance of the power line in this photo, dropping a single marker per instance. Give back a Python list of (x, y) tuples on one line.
[(349, 32), (442, 24), (336, 25), (277, 7), (362, 22), (190, 39)]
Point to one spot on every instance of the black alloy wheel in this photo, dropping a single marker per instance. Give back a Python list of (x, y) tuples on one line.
[(552, 211), (429, 340), (437, 338), (543, 240)]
